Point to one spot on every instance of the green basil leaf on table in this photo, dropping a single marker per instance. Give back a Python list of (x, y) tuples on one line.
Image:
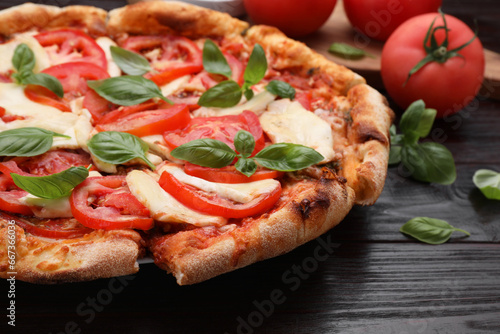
[(46, 80), (287, 157), (118, 147), (244, 143), (26, 142), (429, 162), (223, 95), (127, 90), (130, 62), (205, 152), (395, 155), (281, 89), (488, 181), (256, 67), (417, 120), (246, 166), (214, 61), (429, 230), (347, 51), (52, 186)]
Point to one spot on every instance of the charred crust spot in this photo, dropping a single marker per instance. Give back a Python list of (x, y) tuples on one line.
[(306, 206)]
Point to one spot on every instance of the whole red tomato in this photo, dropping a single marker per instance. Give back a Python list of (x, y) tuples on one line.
[(377, 19), (294, 17), (454, 73)]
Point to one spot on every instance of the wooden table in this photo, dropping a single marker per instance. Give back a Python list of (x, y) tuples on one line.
[(366, 277)]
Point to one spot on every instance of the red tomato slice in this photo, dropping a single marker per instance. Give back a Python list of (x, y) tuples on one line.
[(212, 204), (229, 174), (168, 75), (222, 128), (150, 122), (73, 77), (51, 162), (9, 201), (95, 203), (123, 111), (304, 98), (166, 52), (68, 45), (61, 228)]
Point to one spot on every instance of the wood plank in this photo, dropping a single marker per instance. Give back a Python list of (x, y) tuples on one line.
[(360, 287)]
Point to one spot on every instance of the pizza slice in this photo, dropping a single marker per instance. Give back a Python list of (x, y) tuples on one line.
[(211, 145)]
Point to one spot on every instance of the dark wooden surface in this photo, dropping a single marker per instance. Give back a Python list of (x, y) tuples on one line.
[(372, 279)]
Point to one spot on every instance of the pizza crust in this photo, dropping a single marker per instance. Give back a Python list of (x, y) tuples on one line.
[(158, 17), (99, 254), (311, 208), (30, 16)]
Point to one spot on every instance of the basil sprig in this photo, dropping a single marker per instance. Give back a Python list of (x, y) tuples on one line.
[(52, 186), (427, 162), (488, 181), (228, 93), (130, 62), (429, 230), (127, 90), (26, 142), (24, 62), (347, 51), (118, 147), (213, 153)]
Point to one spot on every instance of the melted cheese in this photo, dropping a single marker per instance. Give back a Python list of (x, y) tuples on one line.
[(163, 206), (105, 43), (48, 208), (38, 115), (7, 51), (257, 104), (239, 192), (289, 122), (174, 85)]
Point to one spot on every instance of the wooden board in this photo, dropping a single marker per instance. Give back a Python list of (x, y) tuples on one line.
[(338, 29)]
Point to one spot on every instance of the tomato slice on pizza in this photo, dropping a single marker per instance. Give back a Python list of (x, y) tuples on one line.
[(71, 45), (229, 174), (106, 203)]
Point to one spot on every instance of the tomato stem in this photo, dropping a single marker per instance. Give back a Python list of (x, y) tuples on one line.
[(435, 52)]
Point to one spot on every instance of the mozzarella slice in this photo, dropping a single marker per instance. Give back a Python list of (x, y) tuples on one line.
[(257, 104), (239, 192), (174, 85), (105, 43), (48, 208), (289, 122), (7, 51), (163, 206), (38, 115)]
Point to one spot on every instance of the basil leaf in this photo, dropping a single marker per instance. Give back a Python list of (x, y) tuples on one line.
[(256, 67), (127, 90), (130, 62), (46, 80), (26, 142), (429, 162), (348, 52), (429, 230), (287, 157), (214, 61), (205, 152), (395, 155), (118, 147), (246, 166), (249, 94), (23, 58), (52, 186), (488, 181), (244, 143), (417, 119), (281, 88), (223, 95)]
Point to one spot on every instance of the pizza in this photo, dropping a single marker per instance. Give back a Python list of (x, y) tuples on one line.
[(168, 131)]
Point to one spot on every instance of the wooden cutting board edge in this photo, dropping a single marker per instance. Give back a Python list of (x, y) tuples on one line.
[(338, 29)]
